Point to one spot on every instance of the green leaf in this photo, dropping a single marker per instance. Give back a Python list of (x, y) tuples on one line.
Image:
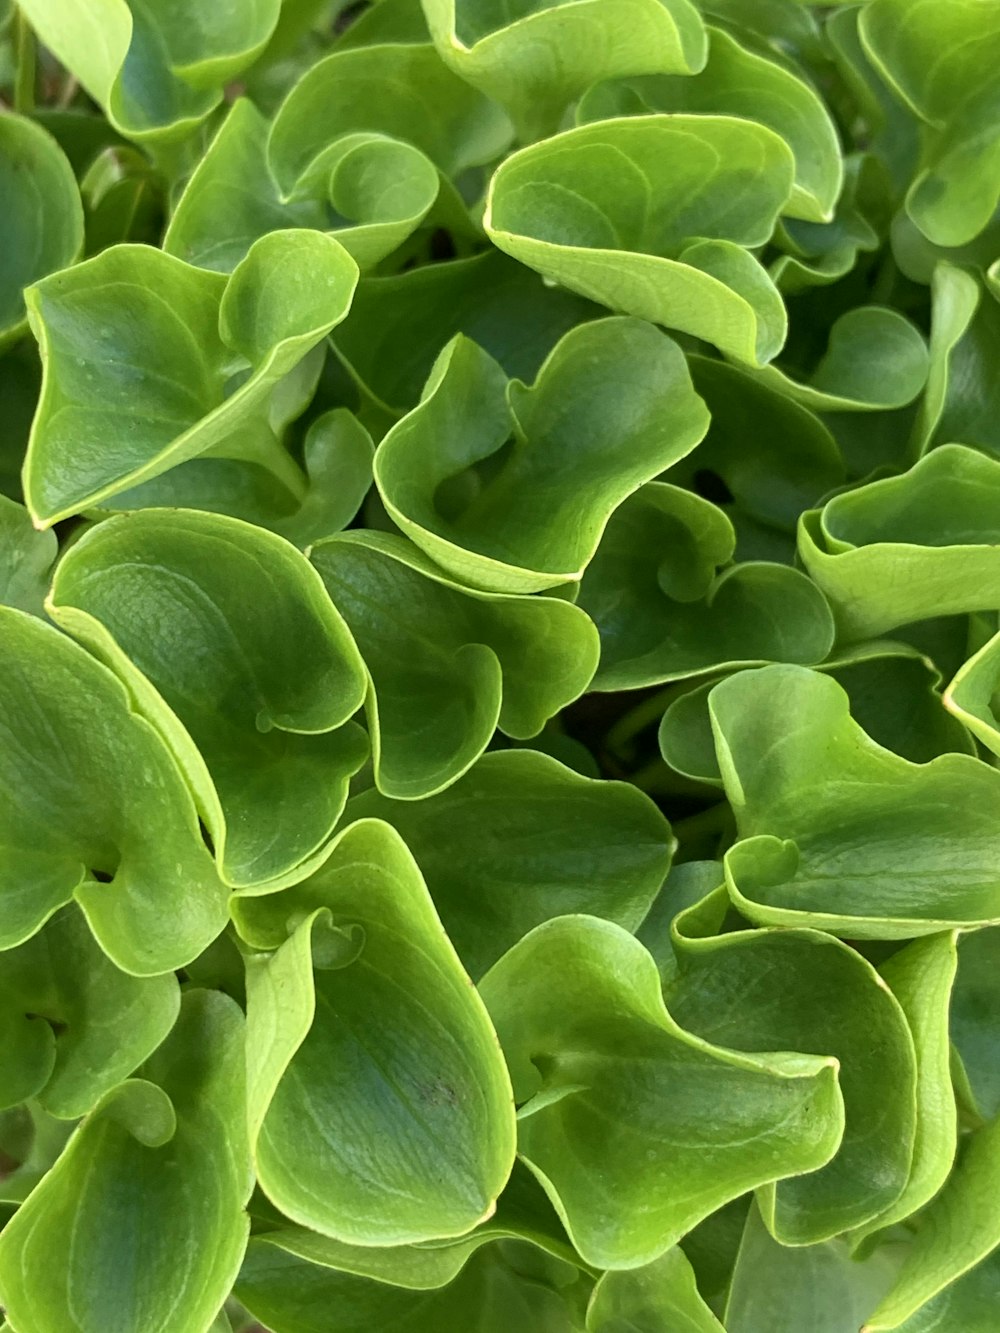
[(605, 1078), (104, 1022), (955, 296), (819, 1287), (448, 664), (377, 191), (398, 325), (612, 406), (940, 57), (969, 1304), (668, 604), (660, 1298), (599, 210), (908, 548), (145, 1205), (42, 222), (188, 360), (840, 834), (738, 82), (26, 558), (957, 1231), (537, 59), (805, 991), (253, 674), (402, 90), (84, 778), (973, 1019), (384, 1043), (520, 839), (156, 70)]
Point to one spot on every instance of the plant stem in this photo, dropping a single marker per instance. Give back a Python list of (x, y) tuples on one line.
[(27, 52)]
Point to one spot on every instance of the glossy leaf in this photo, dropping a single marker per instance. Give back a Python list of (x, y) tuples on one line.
[(598, 210), (364, 1032), (520, 839), (83, 778), (187, 360), (528, 516), (26, 558), (146, 1202), (602, 1074), (448, 664), (660, 1298), (193, 611)]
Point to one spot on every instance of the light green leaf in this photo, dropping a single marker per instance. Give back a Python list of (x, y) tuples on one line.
[(738, 82), (955, 295), (605, 1079), (399, 89), (536, 59), (509, 488), (957, 1231), (156, 69), (660, 1298), (104, 1022), (520, 839), (145, 1206), (448, 664), (369, 191), (184, 359), (385, 1043), (819, 1287), (250, 674), (805, 991), (668, 603), (84, 778), (968, 1305), (908, 548), (649, 215), (398, 325), (41, 226), (840, 834), (26, 557)]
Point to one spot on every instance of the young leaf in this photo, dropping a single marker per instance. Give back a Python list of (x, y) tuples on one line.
[(253, 672), (448, 664), (379, 1105)]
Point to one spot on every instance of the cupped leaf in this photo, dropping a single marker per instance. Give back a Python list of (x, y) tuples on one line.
[(940, 57), (650, 215), (974, 695), (399, 89), (911, 547), (379, 1104), (736, 81), (448, 664), (253, 673), (635, 1128), (668, 604), (817, 254), (819, 1287), (156, 69), (662, 1297), (399, 324), (805, 991), (612, 406), (536, 59), (959, 1229), (371, 194), (84, 779), (145, 1205), (41, 228), (102, 1023), (837, 832), (150, 362), (521, 838), (26, 557), (875, 360), (957, 343)]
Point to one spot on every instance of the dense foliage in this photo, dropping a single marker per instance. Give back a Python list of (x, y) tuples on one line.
[(499, 666)]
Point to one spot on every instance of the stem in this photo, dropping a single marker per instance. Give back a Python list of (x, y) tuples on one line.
[(27, 51)]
